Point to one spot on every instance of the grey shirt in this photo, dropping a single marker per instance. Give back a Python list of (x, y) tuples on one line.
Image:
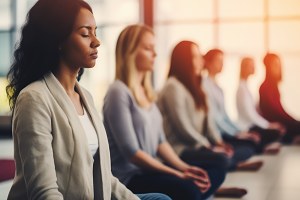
[(129, 128), (186, 126)]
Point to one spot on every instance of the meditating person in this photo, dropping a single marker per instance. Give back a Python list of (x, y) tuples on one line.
[(60, 145), (142, 158), (270, 100), (248, 117), (216, 103)]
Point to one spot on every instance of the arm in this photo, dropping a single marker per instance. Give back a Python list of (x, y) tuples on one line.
[(166, 152), (32, 130), (123, 192), (213, 132), (198, 175), (247, 108), (118, 119), (173, 101), (118, 115), (146, 161), (221, 119)]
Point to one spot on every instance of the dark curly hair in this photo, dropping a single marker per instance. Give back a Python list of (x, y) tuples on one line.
[(48, 25)]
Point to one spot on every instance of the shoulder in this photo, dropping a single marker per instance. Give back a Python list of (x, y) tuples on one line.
[(173, 85), (118, 89), (34, 92)]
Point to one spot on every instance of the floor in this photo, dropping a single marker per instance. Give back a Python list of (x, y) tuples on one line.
[(278, 179)]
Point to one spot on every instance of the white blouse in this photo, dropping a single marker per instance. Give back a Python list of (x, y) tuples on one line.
[(90, 132), (248, 115)]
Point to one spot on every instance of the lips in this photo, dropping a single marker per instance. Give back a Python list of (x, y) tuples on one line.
[(94, 55)]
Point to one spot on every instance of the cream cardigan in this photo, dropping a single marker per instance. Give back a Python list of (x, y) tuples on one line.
[(51, 152)]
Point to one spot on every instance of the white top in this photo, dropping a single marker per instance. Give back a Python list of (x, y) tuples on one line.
[(216, 105), (248, 115), (90, 132)]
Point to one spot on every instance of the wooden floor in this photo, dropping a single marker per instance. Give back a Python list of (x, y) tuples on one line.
[(278, 179)]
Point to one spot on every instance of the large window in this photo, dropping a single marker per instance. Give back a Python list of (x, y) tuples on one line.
[(239, 28)]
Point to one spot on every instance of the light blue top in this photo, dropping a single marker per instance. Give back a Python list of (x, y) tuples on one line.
[(130, 128), (217, 107)]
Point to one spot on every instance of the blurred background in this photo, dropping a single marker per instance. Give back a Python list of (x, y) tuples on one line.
[(239, 28)]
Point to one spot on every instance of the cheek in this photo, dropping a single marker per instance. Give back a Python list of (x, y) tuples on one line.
[(142, 60)]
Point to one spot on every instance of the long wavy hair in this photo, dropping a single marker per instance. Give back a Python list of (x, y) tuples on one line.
[(48, 24), (126, 69), (183, 70)]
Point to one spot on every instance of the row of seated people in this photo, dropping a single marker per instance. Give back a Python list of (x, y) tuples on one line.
[(191, 121), (62, 150)]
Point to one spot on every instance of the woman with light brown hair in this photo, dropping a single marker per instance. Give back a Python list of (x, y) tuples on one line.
[(135, 131)]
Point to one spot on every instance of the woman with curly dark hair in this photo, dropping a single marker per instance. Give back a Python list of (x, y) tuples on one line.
[(61, 149)]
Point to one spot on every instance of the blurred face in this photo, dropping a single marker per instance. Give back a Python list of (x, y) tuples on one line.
[(145, 53), (249, 68), (216, 65), (276, 69), (80, 49), (197, 60)]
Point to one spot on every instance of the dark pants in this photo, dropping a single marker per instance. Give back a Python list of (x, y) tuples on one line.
[(243, 149), (292, 130), (267, 136), (206, 158), (176, 188), (153, 196)]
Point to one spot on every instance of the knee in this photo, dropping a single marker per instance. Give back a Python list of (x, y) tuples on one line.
[(217, 177), (190, 191), (153, 196), (224, 162)]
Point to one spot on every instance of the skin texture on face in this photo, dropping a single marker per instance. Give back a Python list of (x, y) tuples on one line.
[(145, 53), (197, 60), (80, 49)]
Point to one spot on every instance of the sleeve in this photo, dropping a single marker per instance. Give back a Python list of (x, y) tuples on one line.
[(222, 121), (32, 129), (213, 132), (247, 108), (118, 118), (120, 192), (176, 108), (162, 136)]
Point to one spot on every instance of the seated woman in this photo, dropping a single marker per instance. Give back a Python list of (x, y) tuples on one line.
[(270, 103), (249, 119), (135, 130), (60, 152), (187, 123), (230, 132)]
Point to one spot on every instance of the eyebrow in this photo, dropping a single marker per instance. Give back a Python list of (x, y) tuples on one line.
[(87, 27)]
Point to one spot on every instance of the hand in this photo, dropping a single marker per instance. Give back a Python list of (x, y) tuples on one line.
[(199, 176), (225, 149), (253, 136), (277, 126)]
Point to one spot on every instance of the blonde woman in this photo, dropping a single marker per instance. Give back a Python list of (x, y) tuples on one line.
[(135, 132)]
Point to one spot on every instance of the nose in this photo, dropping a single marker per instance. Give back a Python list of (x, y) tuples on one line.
[(95, 43), (154, 54)]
